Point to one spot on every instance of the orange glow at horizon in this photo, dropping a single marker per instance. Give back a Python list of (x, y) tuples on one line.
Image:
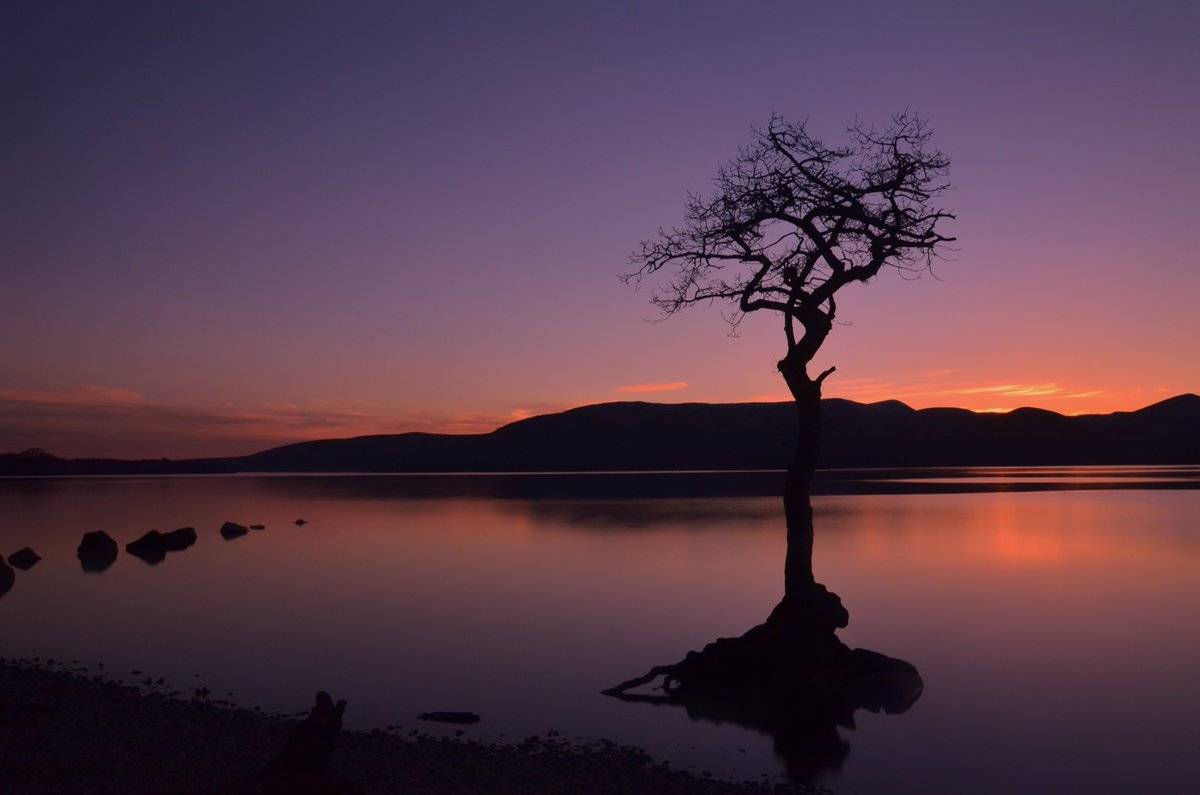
[(107, 415)]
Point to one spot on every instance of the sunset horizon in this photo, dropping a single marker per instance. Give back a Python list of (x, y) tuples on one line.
[(103, 422), (341, 243), (724, 397)]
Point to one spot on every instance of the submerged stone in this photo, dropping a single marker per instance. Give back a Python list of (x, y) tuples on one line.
[(150, 547), (24, 558), (7, 577), (179, 540), (233, 530), (97, 551)]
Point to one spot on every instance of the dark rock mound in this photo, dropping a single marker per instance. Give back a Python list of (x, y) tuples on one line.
[(450, 717), (233, 530), (24, 558), (258, 527), (150, 547), (97, 551), (300, 522), (179, 540)]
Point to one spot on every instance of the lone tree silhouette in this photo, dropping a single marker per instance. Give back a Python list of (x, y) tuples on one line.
[(793, 220)]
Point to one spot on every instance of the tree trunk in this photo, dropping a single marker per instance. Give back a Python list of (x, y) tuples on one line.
[(806, 605), (797, 569), (798, 578)]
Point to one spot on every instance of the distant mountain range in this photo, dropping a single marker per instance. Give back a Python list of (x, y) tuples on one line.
[(657, 436)]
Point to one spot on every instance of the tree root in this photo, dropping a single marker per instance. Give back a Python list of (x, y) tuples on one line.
[(795, 655), (622, 690)]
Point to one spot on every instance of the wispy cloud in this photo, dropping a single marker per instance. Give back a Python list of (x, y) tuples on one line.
[(1011, 390), (655, 386), (87, 395), (110, 421), (933, 389)]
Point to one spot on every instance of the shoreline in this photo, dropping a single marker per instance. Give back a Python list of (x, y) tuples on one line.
[(65, 730)]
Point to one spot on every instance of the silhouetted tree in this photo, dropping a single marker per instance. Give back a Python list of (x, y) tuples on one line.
[(793, 220)]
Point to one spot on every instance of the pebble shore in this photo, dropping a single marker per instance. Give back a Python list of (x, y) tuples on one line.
[(68, 731)]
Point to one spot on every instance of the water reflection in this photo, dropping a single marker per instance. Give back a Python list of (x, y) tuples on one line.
[(804, 732), (1048, 598), (663, 486)]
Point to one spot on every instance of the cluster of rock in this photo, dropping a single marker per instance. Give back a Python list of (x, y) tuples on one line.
[(98, 550)]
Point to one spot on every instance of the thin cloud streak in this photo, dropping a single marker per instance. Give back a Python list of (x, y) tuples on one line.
[(88, 395), (107, 421), (863, 387), (653, 387), (1011, 390)]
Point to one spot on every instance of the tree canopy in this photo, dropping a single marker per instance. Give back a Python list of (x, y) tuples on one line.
[(793, 219)]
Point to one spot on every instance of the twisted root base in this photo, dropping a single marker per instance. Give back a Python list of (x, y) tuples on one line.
[(793, 658)]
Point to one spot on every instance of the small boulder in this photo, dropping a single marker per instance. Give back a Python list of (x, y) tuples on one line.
[(179, 540), (450, 717), (258, 527), (233, 530), (96, 541), (7, 577), (97, 551), (150, 547), (300, 523), (24, 558)]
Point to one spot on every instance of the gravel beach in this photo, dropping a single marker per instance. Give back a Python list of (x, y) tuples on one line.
[(70, 731)]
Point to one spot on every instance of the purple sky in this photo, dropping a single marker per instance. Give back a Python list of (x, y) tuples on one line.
[(233, 225)]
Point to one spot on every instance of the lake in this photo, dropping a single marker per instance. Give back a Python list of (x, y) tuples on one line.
[(1053, 613)]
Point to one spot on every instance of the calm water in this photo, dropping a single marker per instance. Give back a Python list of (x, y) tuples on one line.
[(1054, 620)]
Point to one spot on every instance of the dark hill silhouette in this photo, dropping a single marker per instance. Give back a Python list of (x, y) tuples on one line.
[(632, 435)]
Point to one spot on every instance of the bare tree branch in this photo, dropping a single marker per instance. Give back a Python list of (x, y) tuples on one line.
[(793, 220)]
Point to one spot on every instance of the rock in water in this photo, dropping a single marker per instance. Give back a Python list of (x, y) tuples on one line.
[(179, 540), (150, 547), (233, 530), (96, 541), (7, 578), (154, 546), (450, 717), (97, 550), (24, 558)]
